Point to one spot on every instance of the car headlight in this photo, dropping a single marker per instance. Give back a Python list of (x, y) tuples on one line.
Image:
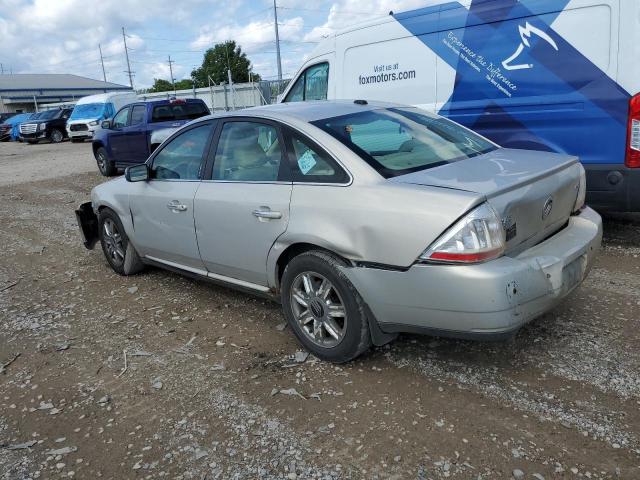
[(582, 191), (93, 124), (477, 237), (42, 126)]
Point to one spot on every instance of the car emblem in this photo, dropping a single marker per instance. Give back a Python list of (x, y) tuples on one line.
[(546, 209)]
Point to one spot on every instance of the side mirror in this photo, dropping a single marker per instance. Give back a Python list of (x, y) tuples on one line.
[(137, 173), (106, 124)]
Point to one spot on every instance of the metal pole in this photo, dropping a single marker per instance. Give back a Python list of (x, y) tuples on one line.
[(213, 102), (35, 102), (275, 16), (233, 95), (126, 52), (173, 81), (104, 75), (1, 69)]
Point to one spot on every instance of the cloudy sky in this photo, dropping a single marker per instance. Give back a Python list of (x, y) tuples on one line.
[(62, 36)]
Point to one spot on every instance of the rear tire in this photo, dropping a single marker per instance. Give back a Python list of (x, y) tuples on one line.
[(119, 252), (323, 308), (106, 167)]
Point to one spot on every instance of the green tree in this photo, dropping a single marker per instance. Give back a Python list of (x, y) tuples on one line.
[(160, 85), (218, 60), (184, 84)]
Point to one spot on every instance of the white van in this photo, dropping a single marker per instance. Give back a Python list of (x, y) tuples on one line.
[(558, 75), (91, 110)]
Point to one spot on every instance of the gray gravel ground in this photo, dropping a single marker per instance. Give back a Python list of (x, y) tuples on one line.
[(213, 388)]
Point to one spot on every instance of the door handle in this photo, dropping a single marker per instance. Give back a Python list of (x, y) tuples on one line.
[(176, 206), (266, 213)]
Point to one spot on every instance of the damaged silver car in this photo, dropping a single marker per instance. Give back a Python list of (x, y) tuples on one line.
[(363, 219)]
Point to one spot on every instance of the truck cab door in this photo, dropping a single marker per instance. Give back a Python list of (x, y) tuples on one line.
[(135, 135), (117, 135)]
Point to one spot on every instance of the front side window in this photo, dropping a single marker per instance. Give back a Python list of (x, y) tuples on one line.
[(181, 158), (120, 120), (248, 152), (397, 141), (312, 84)]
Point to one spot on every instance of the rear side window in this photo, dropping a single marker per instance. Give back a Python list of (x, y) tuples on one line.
[(137, 115), (310, 163), (311, 85), (178, 111)]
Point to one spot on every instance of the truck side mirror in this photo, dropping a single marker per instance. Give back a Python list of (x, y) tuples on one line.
[(137, 173), (106, 124)]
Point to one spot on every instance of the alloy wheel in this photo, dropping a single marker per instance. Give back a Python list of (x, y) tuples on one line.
[(318, 308), (56, 136), (113, 241)]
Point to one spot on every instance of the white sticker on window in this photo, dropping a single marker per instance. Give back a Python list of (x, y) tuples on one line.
[(306, 162)]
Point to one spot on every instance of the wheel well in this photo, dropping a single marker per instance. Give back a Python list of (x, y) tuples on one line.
[(95, 146), (296, 249)]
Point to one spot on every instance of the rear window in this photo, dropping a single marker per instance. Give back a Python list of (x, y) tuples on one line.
[(399, 141), (178, 111)]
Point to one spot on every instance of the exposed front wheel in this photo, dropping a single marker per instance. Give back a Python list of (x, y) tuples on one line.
[(56, 136), (117, 249), (106, 167), (323, 307)]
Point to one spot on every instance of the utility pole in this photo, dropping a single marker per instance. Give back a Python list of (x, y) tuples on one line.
[(126, 52), (104, 75), (275, 16), (1, 69), (173, 80)]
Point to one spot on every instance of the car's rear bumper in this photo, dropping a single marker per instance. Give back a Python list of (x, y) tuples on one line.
[(613, 187), (492, 299), (88, 224)]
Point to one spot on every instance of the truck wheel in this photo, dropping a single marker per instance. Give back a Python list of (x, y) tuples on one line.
[(106, 167), (56, 136)]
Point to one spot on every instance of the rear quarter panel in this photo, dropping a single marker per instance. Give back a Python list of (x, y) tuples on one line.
[(382, 223)]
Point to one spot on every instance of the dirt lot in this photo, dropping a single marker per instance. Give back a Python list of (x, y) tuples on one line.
[(213, 388)]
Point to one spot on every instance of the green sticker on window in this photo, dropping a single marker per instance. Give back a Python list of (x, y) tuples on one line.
[(306, 162)]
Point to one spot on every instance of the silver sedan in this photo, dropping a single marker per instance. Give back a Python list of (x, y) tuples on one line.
[(364, 220)]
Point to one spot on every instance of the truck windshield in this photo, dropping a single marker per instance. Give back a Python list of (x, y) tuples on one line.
[(397, 141), (47, 115), (88, 110), (180, 111)]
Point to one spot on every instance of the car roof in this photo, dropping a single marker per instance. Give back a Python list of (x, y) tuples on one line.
[(308, 111)]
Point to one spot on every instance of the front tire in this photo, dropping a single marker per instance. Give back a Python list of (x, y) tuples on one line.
[(106, 167), (323, 308), (56, 136), (117, 249)]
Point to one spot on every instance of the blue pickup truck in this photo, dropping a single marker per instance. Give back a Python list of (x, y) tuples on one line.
[(126, 139)]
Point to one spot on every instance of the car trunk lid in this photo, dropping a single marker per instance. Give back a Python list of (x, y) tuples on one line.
[(533, 192)]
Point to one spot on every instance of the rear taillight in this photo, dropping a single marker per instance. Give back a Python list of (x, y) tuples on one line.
[(633, 142), (477, 237)]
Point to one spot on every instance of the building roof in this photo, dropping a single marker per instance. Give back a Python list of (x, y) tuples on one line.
[(53, 81)]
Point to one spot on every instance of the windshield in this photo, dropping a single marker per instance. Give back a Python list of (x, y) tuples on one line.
[(88, 110), (46, 115), (398, 141)]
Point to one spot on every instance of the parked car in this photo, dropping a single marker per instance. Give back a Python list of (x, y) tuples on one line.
[(46, 125), (363, 220), (10, 129), (126, 139), (5, 116), (540, 75), (91, 110)]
